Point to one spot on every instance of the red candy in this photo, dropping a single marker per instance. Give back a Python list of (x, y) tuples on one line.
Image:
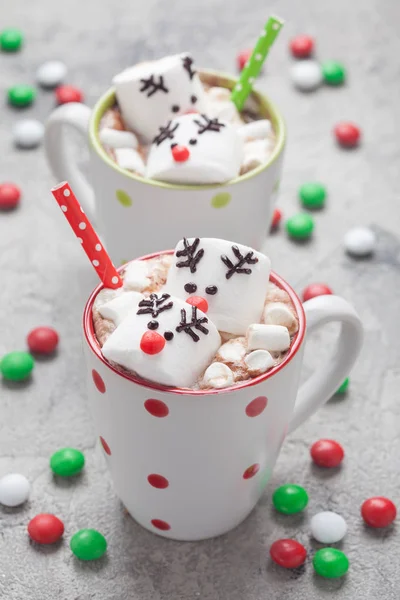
[(152, 342), (45, 529), (68, 93), (302, 46), (347, 134), (378, 511), (288, 553), (9, 196), (242, 58), (316, 289), (180, 153), (198, 301), (276, 218), (42, 340), (327, 453)]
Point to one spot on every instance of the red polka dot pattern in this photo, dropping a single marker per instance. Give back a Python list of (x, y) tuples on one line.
[(106, 447), (251, 471), (98, 382), (158, 524), (158, 481), (157, 408), (256, 406)]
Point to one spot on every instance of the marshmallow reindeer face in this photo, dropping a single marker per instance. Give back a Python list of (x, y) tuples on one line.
[(150, 94), (195, 149), (166, 340), (231, 277)]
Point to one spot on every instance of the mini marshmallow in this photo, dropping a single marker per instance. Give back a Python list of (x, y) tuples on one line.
[(183, 341), (137, 276), (274, 338), (258, 362), (117, 309), (256, 153), (130, 159), (150, 94), (223, 109), (114, 138), (195, 149), (217, 93), (232, 351), (233, 278), (217, 376), (277, 313), (256, 130)]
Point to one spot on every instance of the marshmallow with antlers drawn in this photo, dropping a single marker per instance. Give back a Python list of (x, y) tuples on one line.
[(231, 278), (195, 149), (150, 94), (165, 340)]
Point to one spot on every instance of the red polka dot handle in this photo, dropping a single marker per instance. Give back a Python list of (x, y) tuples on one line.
[(85, 233)]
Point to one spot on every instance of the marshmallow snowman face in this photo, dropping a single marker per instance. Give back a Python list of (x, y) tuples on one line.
[(232, 278), (166, 340), (195, 149), (150, 94)]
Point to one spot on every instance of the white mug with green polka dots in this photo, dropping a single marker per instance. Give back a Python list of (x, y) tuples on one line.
[(190, 465), (135, 215)]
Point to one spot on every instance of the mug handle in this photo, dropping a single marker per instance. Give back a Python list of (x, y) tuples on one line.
[(63, 165), (324, 382)]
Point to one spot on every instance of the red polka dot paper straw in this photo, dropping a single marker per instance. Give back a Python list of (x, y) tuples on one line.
[(87, 236)]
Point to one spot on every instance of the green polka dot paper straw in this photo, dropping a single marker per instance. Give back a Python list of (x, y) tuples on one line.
[(243, 88)]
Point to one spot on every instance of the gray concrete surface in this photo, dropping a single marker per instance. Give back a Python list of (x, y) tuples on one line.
[(45, 278)]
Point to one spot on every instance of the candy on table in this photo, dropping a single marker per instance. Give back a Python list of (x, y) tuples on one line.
[(378, 512), (28, 133), (51, 73), (288, 553), (88, 544), (11, 39), (300, 226), (330, 563), (333, 72), (16, 366), (360, 241), (312, 195), (45, 529), (344, 387), (302, 46), (67, 462), (21, 95), (10, 196), (327, 453), (14, 489), (258, 362), (290, 499), (243, 57), (316, 289), (218, 375), (347, 134), (328, 527), (306, 75), (68, 93), (274, 338), (276, 218), (42, 340)]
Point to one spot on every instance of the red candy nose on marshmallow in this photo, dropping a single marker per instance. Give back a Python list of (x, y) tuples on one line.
[(180, 153), (198, 301), (152, 342)]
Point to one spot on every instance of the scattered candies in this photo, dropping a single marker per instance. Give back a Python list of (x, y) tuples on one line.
[(316, 289), (360, 241), (42, 340), (51, 73), (330, 563), (288, 553), (300, 226), (378, 512), (334, 72), (11, 40), (67, 462), (290, 499), (28, 133), (276, 218), (312, 195), (243, 57), (10, 195), (68, 93), (343, 387), (327, 453), (88, 544), (16, 366), (14, 489), (306, 75), (347, 134), (302, 46), (21, 95), (45, 529), (328, 527)]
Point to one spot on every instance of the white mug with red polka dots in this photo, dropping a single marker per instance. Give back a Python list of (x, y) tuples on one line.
[(135, 215), (190, 465)]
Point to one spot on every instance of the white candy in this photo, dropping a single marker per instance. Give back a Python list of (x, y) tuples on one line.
[(360, 241), (51, 73), (328, 527), (114, 138), (214, 155), (256, 130), (274, 338), (306, 75), (117, 309), (232, 351), (28, 133), (218, 376), (258, 362), (239, 299), (181, 360), (277, 313), (130, 159), (150, 94), (14, 489), (137, 275)]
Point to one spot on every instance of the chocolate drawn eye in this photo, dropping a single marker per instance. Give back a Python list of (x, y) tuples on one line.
[(152, 325), (175, 108), (190, 288), (211, 289), (193, 141), (193, 99), (168, 335)]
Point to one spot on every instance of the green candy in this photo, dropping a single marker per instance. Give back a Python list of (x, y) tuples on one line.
[(11, 40), (312, 195), (300, 226), (16, 366), (330, 563), (21, 95), (67, 462), (290, 499), (88, 544), (344, 386), (333, 72)]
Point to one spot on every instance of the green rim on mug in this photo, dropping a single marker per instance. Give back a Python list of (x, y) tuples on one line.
[(264, 106)]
